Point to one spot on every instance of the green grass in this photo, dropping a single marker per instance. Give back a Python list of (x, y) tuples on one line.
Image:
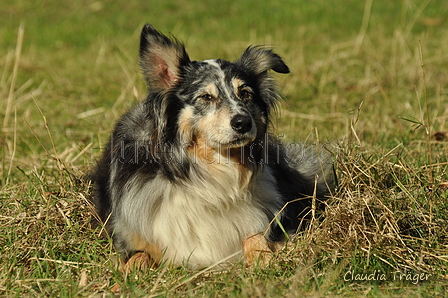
[(357, 83)]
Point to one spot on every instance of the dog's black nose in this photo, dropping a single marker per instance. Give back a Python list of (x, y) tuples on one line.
[(241, 123)]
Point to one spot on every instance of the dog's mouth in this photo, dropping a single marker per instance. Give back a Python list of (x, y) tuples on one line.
[(237, 142), (240, 141)]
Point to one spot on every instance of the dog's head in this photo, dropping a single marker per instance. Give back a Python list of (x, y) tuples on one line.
[(224, 104)]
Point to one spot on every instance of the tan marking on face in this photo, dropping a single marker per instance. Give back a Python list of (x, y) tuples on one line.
[(208, 126), (237, 83), (196, 144), (212, 90), (211, 129), (185, 127), (215, 125)]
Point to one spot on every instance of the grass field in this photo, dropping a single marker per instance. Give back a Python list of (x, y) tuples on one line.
[(369, 79)]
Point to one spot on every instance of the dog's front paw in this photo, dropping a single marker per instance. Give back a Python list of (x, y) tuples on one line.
[(139, 261), (257, 250)]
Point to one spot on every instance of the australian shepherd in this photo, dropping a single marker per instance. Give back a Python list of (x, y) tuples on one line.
[(191, 173)]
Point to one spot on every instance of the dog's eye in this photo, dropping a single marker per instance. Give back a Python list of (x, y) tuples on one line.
[(245, 94), (206, 97)]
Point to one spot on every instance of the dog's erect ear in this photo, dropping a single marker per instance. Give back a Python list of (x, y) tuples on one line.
[(161, 58), (259, 60)]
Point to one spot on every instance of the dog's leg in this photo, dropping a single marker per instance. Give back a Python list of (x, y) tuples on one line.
[(257, 250)]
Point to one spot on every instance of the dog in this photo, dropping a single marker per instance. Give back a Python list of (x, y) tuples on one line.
[(192, 175)]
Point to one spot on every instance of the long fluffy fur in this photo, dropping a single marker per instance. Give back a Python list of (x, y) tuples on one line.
[(191, 171)]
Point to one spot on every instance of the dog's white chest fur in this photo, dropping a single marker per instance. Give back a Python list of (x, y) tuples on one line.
[(202, 222)]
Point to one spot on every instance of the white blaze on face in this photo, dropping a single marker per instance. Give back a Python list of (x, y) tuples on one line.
[(229, 92), (213, 62)]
